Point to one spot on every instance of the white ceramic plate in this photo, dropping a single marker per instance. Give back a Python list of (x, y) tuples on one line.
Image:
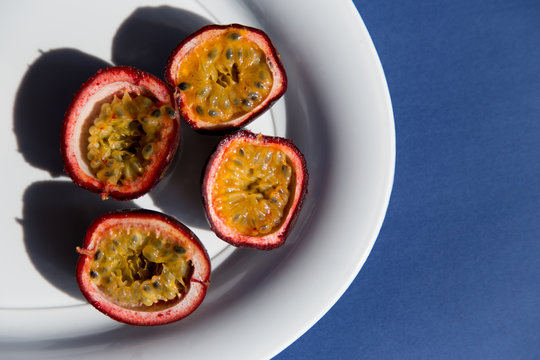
[(337, 110)]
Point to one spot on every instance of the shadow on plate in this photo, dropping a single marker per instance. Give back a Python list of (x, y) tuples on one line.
[(245, 270), (42, 100), (148, 36), (145, 40), (56, 215), (179, 193)]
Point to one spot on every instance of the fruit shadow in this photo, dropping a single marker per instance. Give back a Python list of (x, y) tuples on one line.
[(241, 276), (179, 193), (145, 40), (41, 101), (56, 215), (148, 36)]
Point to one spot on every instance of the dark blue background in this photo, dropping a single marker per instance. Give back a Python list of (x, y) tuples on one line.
[(455, 271)]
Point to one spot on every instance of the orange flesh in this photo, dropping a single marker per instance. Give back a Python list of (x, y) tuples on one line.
[(225, 77), (253, 187)]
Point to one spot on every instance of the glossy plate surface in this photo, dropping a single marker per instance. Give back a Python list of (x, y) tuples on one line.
[(337, 111)]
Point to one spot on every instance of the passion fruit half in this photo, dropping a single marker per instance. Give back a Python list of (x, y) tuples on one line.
[(225, 76), (142, 267), (253, 189), (120, 133)]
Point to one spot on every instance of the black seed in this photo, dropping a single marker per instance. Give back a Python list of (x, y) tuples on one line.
[(241, 152), (199, 110), (94, 274), (146, 287), (253, 96), (134, 125), (229, 53), (156, 113), (259, 85), (98, 255), (235, 73), (247, 103), (184, 85), (156, 285), (234, 36), (212, 54), (212, 113), (170, 111), (179, 249), (147, 151)]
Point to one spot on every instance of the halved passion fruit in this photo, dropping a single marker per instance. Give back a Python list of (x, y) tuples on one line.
[(253, 189), (142, 267), (120, 133), (224, 76)]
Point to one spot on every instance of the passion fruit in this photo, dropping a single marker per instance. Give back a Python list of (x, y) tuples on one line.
[(120, 133), (142, 267), (224, 76), (253, 189)]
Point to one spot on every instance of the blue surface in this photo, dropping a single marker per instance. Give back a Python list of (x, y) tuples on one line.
[(455, 271)]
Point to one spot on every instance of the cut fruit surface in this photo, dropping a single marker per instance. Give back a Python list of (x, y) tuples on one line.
[(143, 268), (253, 188), (120, 133), (225, 76)]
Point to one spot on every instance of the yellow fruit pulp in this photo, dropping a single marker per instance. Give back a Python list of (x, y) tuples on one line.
[(140, 267), (125, 136)]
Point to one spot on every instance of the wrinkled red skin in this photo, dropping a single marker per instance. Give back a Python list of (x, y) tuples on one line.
[(273, 60), (272, 240), (180, 309), (105, 77)]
